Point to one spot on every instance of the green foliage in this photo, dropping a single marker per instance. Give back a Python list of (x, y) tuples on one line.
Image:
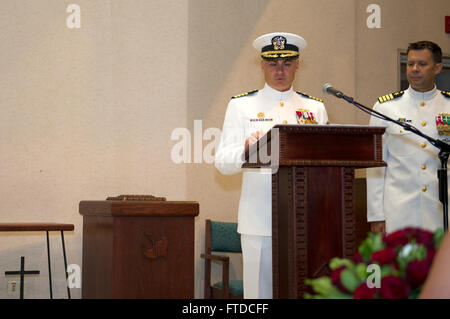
[(393, 254), (373, 243), (324, 289), (438, 236), (339, 262), (350, 279)]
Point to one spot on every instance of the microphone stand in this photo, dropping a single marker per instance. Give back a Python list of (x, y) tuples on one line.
[(444, 152)]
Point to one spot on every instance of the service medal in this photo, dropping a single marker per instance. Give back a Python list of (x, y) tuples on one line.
[(304, 116), (443, 124)]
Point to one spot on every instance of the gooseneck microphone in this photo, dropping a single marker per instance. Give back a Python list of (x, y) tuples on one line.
[(329, 89)]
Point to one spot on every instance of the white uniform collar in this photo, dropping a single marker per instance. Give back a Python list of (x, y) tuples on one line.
[(422, 96), (270, 93)]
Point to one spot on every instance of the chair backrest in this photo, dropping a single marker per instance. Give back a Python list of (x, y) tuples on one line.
[(224, 237)]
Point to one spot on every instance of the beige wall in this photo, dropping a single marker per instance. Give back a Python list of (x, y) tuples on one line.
[(88, 113), (377, 59)]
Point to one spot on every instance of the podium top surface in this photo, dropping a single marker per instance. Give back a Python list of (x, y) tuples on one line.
[(318, 145), (332, 127), (138, 208)]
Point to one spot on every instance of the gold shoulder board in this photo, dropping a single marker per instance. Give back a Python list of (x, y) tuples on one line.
[(244, 94), (309, 96), (446, 94), (389, 97)]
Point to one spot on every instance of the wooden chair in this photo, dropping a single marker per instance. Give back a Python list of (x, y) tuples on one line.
[(221, 237)]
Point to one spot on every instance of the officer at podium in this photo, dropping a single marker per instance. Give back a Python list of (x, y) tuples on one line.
[(406, 193), (248, 117)]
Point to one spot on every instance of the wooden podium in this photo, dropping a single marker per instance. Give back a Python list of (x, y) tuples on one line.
[(138, 249), (313, 218)]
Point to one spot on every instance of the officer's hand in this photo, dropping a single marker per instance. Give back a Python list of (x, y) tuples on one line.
[(254, 137), (378, 227)]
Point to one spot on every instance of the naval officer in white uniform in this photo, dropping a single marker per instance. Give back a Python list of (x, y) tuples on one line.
[(406, 193), (248, 117)]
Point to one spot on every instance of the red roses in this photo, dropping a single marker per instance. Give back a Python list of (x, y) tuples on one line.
[(393, 287), (392, 267), (416, 272), (406, 235), (384, 257)]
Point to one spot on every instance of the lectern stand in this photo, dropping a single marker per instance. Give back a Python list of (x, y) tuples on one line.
[(138, 249), (313, 218)]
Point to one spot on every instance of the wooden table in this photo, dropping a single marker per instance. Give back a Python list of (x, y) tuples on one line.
[(138, 249)]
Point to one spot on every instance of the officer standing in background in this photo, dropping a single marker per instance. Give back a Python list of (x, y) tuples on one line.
[(248, 117), (406, 193)]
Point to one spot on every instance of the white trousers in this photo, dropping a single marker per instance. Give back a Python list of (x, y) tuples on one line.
[(257, 264)]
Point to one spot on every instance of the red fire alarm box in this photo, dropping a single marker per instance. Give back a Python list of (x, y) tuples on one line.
[(447, 24)]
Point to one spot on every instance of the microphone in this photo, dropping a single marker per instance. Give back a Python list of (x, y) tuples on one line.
[(329, 89)]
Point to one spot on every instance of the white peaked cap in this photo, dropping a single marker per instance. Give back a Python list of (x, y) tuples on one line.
[(279, 45)]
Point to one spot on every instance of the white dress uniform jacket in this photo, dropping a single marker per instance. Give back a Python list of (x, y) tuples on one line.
[(406, 193), (246, 114)]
